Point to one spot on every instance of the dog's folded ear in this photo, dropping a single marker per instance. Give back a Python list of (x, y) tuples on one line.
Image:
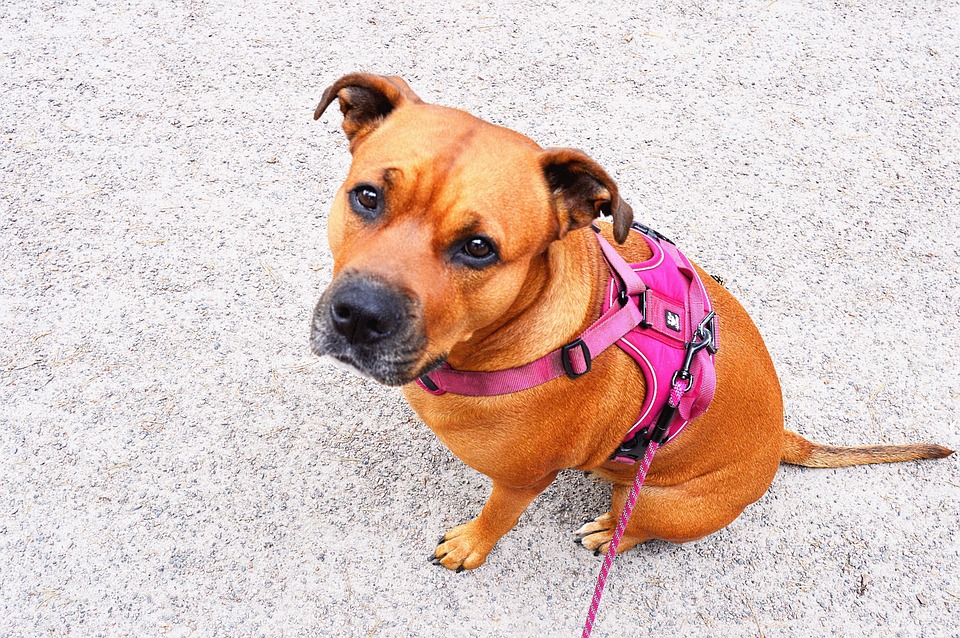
[(365, 101), (581, 191)]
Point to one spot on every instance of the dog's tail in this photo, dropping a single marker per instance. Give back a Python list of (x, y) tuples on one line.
[(799, 451)]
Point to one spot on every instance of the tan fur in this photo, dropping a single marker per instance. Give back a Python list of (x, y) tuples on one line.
[(447, 171)]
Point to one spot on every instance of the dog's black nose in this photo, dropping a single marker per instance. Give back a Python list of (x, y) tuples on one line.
[(365, 312)]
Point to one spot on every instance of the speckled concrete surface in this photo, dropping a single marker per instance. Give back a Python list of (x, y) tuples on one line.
[(174, 462)]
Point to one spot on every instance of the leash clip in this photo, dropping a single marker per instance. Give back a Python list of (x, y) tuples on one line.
[(702, 338), (707, 332)]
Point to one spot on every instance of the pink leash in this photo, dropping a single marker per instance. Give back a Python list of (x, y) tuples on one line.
[(656, 438), (617, 535)]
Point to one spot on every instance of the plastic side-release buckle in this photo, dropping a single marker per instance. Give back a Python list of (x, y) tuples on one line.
[(646, 230), (568, 363), (636, 446), (633, 448)]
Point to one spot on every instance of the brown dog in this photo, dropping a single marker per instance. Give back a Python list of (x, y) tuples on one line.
[(458, 241)]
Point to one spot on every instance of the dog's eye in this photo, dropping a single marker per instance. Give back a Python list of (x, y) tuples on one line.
[(367, 198), (366, 201), (475, 252), (478, 248)]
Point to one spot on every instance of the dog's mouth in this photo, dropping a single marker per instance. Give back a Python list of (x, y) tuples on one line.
[(381, 369), (371, 329), (381, 372)]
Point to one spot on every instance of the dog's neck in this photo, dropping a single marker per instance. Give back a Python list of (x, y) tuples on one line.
[(559, 299)]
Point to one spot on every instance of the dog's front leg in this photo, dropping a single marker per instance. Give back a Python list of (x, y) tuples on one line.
[(466, 546)]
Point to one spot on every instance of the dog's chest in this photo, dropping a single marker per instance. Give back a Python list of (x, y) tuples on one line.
[(528, 434)]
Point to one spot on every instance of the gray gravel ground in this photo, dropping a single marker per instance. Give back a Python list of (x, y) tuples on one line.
[(174, 462)]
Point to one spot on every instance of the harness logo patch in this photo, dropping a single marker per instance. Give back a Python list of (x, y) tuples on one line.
[(672, 320)]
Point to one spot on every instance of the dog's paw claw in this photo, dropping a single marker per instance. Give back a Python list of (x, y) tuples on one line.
[(603, 523), (596, 534), (463, 547), (597, 543)]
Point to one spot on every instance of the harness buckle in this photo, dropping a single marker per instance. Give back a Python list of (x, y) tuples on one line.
[(635, 448), (568, 364), (707, 332), (703, 337)]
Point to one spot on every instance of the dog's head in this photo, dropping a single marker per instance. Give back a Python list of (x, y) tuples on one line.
[(435, 228)]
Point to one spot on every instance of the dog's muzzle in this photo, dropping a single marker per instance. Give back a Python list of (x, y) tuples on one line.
[(370, 326)]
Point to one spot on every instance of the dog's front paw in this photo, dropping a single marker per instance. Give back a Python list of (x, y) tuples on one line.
[(464, 547)]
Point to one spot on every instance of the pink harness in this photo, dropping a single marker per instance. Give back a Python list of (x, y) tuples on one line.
[(659, 313), (675, 306)]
